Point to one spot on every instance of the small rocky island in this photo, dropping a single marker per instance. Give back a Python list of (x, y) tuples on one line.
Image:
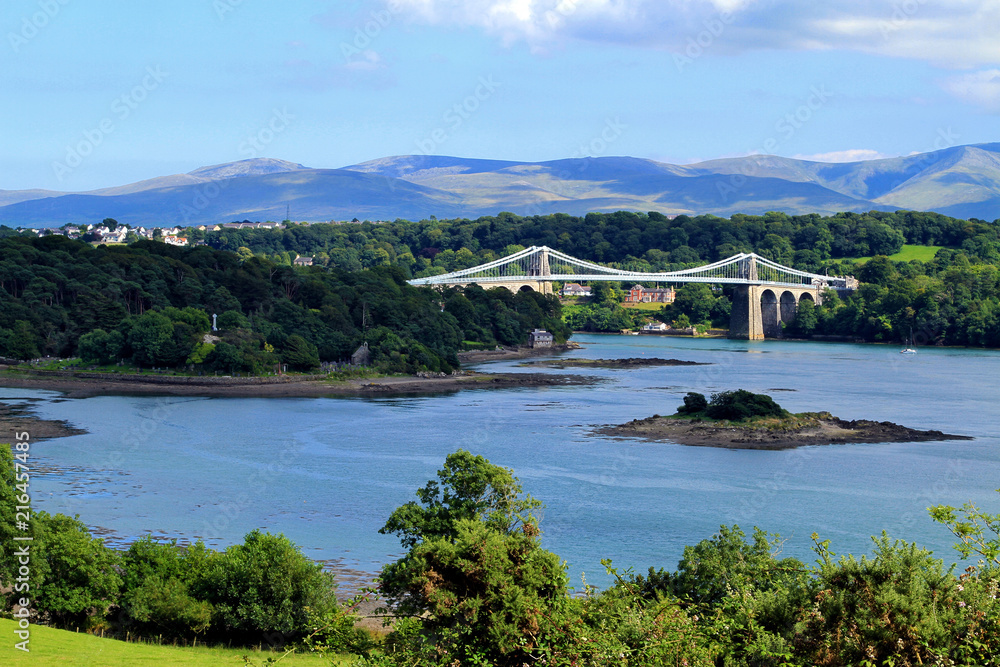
[(632, 362), (743, 420)]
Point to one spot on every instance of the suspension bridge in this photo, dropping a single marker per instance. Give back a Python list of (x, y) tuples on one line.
[(766, 293)]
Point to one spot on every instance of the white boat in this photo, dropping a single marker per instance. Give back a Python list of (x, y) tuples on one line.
[(909, 349)]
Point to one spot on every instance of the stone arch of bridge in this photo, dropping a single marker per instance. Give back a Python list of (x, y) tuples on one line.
[(770, 313)]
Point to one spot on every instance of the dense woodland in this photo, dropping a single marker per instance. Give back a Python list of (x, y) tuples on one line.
[(953, 300), (149, 305), (475, 587)]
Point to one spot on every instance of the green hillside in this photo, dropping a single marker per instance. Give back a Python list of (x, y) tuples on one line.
[(908, 253)]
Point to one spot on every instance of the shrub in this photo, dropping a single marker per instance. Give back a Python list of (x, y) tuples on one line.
[(693, 404), (742, 404), (79, 574), (265, 588), (156, 591)]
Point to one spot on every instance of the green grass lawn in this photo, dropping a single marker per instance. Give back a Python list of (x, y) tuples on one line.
[(908, 253), (59, 647), (654, 307)]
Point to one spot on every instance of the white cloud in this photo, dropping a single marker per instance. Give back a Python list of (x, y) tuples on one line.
[(850, 155), (957, 33), (980, 88)]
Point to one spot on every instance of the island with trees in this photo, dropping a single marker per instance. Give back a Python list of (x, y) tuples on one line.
[(741, 419)]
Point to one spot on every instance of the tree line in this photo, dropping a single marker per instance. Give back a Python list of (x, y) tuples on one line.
[(628, 240), (952, 300), (149, 305)]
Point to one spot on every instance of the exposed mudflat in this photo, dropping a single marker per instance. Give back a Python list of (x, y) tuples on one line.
[(16, 419), (632, 362), (506, 353), (75, 386), (799, 431)]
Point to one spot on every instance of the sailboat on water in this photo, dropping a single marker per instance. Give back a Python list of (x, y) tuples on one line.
[(910, 348)]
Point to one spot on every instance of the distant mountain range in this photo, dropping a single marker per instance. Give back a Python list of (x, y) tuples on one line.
[(963, 182)]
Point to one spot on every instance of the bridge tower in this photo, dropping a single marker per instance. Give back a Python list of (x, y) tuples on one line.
[(539, 263), (759, 308)]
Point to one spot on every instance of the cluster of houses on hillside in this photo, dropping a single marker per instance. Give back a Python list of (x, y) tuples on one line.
[(103, 233)]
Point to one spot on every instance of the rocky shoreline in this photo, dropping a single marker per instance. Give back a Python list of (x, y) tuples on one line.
[(799, 431)]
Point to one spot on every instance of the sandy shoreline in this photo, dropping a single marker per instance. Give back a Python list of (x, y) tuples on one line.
[(823, 429)]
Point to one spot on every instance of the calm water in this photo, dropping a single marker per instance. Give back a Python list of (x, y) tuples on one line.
[(327, 472)]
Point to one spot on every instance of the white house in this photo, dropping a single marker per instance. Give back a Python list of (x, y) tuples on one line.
[(575, 289)]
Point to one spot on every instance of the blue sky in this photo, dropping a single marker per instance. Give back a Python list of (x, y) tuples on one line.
[(101, 93)]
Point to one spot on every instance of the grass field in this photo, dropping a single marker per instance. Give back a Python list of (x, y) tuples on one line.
[(59, 647), (908, 253), (654, 307)]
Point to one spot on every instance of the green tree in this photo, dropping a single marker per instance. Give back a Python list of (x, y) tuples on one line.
[(300, 354), (8, 508), (232, 319), (101, 347), (978, 531), (806, 319), (21, 342), (742, 404), (156, 596), (898, 607), (468, 487), (693, 404), (79, 573), (150, 337), (696, 301), (265, 589), (485, 590)]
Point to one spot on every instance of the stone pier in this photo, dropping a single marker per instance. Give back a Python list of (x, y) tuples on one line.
[(759, 310)]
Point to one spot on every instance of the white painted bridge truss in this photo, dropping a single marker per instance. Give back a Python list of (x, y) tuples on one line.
[(544, 264)]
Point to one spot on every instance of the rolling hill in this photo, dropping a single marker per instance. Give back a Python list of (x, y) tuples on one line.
[(963, 181)]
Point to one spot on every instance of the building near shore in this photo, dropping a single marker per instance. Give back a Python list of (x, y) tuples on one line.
[(362, 356), (540, 338)]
